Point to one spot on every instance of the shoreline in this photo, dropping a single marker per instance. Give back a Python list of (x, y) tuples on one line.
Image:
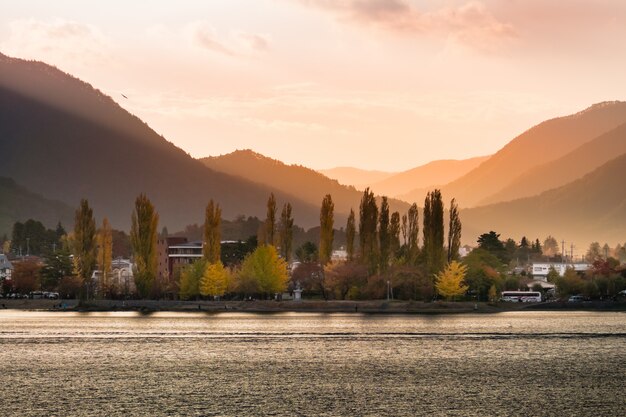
[(305, 306)]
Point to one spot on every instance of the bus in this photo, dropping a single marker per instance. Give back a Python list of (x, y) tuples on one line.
[(521, 296)]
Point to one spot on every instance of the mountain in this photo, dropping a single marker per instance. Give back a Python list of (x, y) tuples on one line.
[(358, 178), (19, 204), (592, 208), (306, 184), (571, 166), (61, 138), (543, 143), (430, 174)]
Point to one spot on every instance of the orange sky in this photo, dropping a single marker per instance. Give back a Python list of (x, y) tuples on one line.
[(378, 84)]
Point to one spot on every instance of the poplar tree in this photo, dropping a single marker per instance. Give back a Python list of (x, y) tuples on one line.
[(412, 245), (433, 231), (143, 238), (394, 234), (212, 248), (384, 238), (327, 222), (270, 221), (404, 229), (105, 255), (350, 235), (286, 232), (454, 232), (367, 230), (84, 244)]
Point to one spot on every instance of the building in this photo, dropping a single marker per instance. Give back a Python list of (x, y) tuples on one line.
[(540, 270), (6, 268), (182, 254), (164, 268)]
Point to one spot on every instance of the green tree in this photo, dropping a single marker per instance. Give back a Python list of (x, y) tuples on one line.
[(412, 234), (552, 276), (105, 256), (394, 234), (449, 282), (384, 235), (286, 232), (491, 243), (263, 271), (569, 284), (214, 281), (350, 235), (594, 252), (143, 237), (307, 252), (269, 227), (326, 229), (454, 232), (493, 293), (84, 244), (433, 231), (368, 231), (55, 267), (190, 278), (211, 250)]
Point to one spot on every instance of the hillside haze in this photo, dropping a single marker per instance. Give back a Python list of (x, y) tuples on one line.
[(592, 208), (543, 143), (61, 138), (356, 177), (306, 184)]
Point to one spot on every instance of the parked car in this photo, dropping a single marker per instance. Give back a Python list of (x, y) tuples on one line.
[(576, 299)]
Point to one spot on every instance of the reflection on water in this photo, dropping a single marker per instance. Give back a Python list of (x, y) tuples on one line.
[(122, 363)]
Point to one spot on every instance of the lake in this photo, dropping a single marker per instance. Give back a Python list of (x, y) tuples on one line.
[(196, 364)]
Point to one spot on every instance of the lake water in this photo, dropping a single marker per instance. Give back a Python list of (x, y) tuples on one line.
[(169, 364)]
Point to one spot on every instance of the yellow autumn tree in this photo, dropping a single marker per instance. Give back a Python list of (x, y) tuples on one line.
[(104, 240), (214, 281), (449, 282)]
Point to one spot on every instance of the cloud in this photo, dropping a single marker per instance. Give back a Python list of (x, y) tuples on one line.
[(57, 41), (471, 24), (237, 43)]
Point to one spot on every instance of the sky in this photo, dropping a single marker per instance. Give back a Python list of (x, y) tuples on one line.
[(374, 84)]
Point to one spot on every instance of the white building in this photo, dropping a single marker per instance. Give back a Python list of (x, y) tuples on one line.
[(540, 270), (6, 268)]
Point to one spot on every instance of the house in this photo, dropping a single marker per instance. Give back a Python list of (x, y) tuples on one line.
[(540, 270), (6, 268)]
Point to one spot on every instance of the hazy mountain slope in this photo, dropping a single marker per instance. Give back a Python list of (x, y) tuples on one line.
[(543, 143), (61, 138), (19, 204), (574, 165), (306, 184), (432, 173), (592, 208), (358, 178)]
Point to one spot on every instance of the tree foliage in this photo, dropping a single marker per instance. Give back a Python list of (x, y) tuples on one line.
[(326, 229), (269, 227), (449, 282), (433, 231), (143, 237), (411, 226), (263, 271), (350, 235), (105, 256), (84, 242), (190, 277), (214, 281), (368, 230), (286, 232), (454, 232), (384, 235), (212, 233), (394, 234)]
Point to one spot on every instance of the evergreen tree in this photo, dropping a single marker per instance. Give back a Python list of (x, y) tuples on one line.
[(211, 251), (350, 235), (56, 267), (367, 230), (286, 232), (384, 237), (270, 221), (433, 231), (105, 256), (394, 234), (454, 232), (326, 229), (412, 245), (143, 238), (84, 244)]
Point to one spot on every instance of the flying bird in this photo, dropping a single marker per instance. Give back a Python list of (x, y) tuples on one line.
[(123, 95)]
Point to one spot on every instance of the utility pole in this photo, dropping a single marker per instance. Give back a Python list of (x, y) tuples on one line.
[(562, 251), (571, 256), (27, 246)]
